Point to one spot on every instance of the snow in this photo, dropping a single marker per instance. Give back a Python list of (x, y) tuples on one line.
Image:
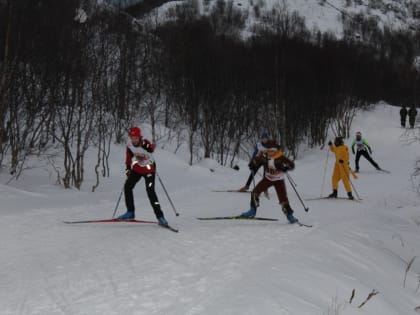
[(217, 267), (325, 16), (416, 63), (81, 16)]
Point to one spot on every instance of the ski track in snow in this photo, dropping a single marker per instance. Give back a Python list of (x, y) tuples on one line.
[(218, 267)]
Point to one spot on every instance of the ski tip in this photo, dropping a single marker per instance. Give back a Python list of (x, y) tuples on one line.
[(170, 228), (304, 225), (238, 218)]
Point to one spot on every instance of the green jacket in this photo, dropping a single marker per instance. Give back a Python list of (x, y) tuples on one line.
[(361, 145)]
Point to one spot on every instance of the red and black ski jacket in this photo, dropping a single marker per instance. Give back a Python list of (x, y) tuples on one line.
[(139, 158)]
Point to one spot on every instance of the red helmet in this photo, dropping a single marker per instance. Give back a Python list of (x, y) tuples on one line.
[(135, 132), (358, 133)]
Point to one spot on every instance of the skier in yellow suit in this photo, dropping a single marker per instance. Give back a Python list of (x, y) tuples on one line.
[(342, 168)]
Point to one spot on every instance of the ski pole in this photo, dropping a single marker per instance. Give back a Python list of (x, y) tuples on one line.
[(292, 181), (354, 188), (253, 183), (118, 202), (325, 171), (294, 188), (351, 183), (167, 195), (253, 178)]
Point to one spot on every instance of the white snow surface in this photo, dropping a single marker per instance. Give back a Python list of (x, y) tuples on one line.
[(325, 16), (217, 267)]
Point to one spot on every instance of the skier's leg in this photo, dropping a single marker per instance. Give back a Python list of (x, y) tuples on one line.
[(335, 179), (255, 197), (412, 121), (263, 185), (251, 176), (358, 154), (151, 194), (284, 201), (282, 196), (130, 182), (369, 158), (281, 191), (345, 177)]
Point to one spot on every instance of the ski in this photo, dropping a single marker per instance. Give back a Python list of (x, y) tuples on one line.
[(251, 219), (232, 190), (303, 224), (328, 198), (168, 227), (375, 171), (238, 217), (111, 221)]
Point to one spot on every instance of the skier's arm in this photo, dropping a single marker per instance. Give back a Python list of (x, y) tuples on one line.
[(128, 157), (148, 146), (260, 159), (284, 164), (252, 163), (367, 146), (254, 154), (352, 146)]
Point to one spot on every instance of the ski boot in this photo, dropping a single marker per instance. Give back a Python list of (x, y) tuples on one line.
[(250, 213), (243, 189), (333, 194), (291, 219), (350, 195), (162, 221), (126, 216), (288, 211)]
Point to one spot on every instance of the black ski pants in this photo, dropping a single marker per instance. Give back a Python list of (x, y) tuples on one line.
[(403, 120), (131, 181), (367, 157), (254, 169)]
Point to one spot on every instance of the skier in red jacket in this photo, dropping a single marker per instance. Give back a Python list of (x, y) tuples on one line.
[(140, 163)]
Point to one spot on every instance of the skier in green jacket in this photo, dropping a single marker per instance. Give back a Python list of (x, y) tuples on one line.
[(362, 147)]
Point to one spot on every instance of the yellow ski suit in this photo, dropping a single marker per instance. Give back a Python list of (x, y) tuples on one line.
[(341, 168)]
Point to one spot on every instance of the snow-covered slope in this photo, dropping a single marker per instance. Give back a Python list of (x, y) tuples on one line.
[(218, 267), (326, 15)]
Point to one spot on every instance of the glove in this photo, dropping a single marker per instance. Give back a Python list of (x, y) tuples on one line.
[(140, 156), (329, 143), (285, 168), (148, 146), (340, 161), (127, 172), (251, 165), (352, 150)]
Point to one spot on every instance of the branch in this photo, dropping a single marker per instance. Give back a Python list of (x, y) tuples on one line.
[(353, 293), (371, 294), (408, 268)]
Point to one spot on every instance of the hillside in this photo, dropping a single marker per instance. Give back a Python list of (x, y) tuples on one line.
[(332, 16), (219, 267)]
